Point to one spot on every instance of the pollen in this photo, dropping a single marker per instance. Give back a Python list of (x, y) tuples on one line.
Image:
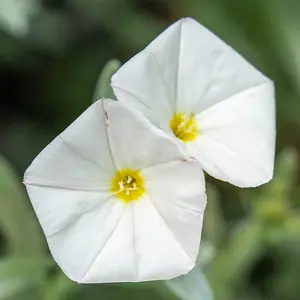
[(184, 127), (128, 185)]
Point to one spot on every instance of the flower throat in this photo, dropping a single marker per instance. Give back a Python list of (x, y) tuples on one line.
[(184, 127)]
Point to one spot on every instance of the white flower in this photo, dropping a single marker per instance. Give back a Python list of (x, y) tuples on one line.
[(193, 86), (116, 200)]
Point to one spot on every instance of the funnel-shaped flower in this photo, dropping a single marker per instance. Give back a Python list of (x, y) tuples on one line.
[(116, 199), (218, 107)]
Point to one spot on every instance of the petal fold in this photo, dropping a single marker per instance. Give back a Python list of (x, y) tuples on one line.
[(135, 142), (141, 248), (148, 81), (77, 225), (177, 191), (79, 158), (187, 69), (237, 138), (95, 236)]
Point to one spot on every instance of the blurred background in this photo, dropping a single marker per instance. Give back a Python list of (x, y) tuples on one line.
[(51, 53)]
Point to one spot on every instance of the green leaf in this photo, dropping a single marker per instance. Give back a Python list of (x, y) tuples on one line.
[(236, 259), (121, 291), (285, 173), (273, 205), (17, 221), (207, 252), (18, 275), (192, 286), (285, 24), (60, 287), (15, 15), (103, 88), (214, 223)]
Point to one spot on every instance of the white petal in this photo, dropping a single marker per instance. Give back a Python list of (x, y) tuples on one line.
[(209, 70), (185, 69), (93, 236), (116, 261), (148, 81), (141, 248), (237, 138), (77, 225), (160, 238), (159, 254), (79, 158), (177, 190), (68, 184), (199, 72), (59, 208), (135, 143)]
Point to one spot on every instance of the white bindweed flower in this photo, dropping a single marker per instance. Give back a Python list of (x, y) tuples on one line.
[(196, 88), (116, 199)]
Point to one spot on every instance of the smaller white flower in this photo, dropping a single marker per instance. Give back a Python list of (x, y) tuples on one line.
[(116, 199), (218, 107)]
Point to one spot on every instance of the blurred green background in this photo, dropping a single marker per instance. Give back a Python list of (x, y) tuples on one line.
[(51, 53)]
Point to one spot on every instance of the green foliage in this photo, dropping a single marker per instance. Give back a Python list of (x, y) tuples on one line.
[(193, 286), (103, 88), (17, 220), (51, 54), (270, 223), (60, 287), (20, 276), (15, 15)]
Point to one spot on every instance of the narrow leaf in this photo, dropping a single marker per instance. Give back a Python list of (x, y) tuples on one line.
[(192, 286), (20, 274), (17, 219), (103, 88)]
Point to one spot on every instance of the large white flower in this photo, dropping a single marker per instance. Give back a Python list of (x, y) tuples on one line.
[(116, 199), (196, 88)]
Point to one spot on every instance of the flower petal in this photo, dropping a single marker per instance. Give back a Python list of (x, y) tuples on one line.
[(141, 248), (199, 72), (77, 225), (160, 256), (237, 138), (177, 190), (79, 158), (148, 81), (92, 235), (185, 69), (116, 260), (58, 208), (209, 70), (134, 141)]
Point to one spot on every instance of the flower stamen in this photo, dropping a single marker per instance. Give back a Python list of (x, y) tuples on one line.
[(184, 127), (128, 185)]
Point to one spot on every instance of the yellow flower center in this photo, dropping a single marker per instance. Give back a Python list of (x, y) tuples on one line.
[(184, 127), (128, 185)]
